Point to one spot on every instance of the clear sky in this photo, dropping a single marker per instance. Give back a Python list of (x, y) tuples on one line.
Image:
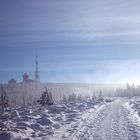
[(92, 41)]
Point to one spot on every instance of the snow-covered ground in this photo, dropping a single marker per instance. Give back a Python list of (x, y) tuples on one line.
[(36, 122), (115, 120), (133, 106)]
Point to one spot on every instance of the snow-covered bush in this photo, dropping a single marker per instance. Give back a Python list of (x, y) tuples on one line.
[(72, 97), (46, 98)]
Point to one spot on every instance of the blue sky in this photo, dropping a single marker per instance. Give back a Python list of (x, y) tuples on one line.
[(92, 41)]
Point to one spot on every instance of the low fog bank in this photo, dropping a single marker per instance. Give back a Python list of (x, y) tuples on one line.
[(29, 93), (60, 89)]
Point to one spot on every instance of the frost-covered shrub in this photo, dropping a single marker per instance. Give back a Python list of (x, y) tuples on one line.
[(46, 98)]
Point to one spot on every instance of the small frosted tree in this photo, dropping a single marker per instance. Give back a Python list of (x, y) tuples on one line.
[(4, 100), (72, 97), (93, 97), (50, 99), (24, 100), (87, 97), (79, 98), (64, 100), (100, 97), (46, 98)]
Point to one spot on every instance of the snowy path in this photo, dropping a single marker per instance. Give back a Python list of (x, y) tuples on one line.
[(108, 122)]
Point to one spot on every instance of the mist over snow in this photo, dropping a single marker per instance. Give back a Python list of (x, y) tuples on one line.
[(69, 70)]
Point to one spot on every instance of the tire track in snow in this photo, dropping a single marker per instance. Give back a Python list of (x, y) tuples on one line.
[(81, 126), (108, 122), (111, 122), (91, 122)]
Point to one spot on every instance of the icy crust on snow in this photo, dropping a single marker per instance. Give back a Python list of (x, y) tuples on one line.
[(34, 122), (134, 110)]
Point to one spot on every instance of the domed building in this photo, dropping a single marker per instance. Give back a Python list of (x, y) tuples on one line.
[(12, 81)]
